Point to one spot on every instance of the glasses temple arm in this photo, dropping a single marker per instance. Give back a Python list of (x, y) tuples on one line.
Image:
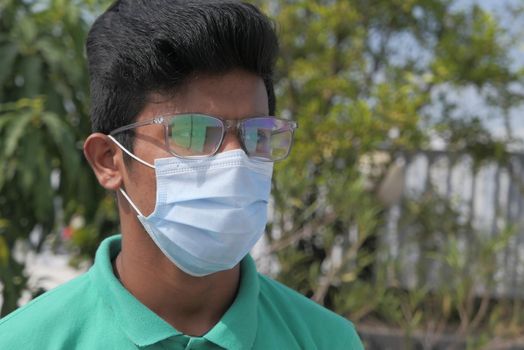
[(134, 125)]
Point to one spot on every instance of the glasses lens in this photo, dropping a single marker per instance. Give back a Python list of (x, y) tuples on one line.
[(195, 134), (267, 138)]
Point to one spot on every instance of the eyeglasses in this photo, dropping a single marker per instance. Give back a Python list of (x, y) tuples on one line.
[(199, 135)]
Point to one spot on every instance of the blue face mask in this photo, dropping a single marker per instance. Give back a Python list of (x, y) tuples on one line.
[(209, 212)]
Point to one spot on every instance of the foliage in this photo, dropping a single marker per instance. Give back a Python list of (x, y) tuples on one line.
[(368, 81), (43, 119), (455, 279)]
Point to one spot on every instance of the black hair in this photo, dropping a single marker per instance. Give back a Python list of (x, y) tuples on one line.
[(142, 46)]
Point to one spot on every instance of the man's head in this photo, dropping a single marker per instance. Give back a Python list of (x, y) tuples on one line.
[(145, 54), (171, 80), (142, 47)]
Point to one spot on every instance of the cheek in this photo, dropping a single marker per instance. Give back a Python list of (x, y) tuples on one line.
[(141, 186)]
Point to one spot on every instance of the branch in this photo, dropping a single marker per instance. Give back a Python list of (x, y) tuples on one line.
[(327, 281)]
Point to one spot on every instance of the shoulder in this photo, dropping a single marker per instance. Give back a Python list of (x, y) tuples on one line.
[(49, 304), (294, 304), (303, 316), (51, 315)]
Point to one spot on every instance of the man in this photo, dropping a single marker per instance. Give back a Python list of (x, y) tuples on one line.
[(182, 99)]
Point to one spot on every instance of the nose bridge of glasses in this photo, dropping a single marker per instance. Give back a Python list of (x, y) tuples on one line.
[(231, 124), (232, 138)]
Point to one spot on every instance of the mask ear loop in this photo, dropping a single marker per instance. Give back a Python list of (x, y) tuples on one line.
[(129, 153), (130, 202), (138, 160)]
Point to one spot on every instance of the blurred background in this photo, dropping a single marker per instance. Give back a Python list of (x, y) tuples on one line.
[(401, 206)]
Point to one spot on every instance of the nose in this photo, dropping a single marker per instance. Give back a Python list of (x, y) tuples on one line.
[(231, 141)]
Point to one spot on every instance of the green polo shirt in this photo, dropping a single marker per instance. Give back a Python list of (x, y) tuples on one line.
[(94, 311)]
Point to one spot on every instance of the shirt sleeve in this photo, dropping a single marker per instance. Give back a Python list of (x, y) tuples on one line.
[(353, 340)]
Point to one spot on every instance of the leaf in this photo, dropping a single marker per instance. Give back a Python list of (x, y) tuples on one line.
[(4, 223), (15, 132), (58, 130), (5, 119), (4, 252), (8, 54), (26, 167), (62, 136), (27, 30), (31, 69)]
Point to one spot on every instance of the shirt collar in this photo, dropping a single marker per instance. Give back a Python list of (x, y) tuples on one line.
[(236, 329)]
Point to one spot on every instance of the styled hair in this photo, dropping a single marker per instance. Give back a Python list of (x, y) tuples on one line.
[(138, 47)]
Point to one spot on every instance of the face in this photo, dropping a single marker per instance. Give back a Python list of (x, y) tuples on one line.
[(234, 95)]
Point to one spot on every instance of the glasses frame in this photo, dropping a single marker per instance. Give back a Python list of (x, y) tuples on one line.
[(227, 124)]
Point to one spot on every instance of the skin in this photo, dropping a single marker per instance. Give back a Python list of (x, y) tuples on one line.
[(193, 305)]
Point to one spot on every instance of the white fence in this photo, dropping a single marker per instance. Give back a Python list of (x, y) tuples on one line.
[(490, 198)]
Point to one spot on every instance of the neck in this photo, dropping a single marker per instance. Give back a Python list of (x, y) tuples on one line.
[(192, 305)]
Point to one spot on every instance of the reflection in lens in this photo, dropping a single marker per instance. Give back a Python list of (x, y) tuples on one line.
[(194, 134), (266, 138), (280, 142)]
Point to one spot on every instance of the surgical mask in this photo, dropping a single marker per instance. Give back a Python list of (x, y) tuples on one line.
[(209, 212)]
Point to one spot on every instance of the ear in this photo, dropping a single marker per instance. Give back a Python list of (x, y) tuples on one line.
[(105, 160)]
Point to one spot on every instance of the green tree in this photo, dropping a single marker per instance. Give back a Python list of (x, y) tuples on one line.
[(43, 120), (368, 80)]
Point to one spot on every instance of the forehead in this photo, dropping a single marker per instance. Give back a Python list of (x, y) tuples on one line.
[(233, 95)]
